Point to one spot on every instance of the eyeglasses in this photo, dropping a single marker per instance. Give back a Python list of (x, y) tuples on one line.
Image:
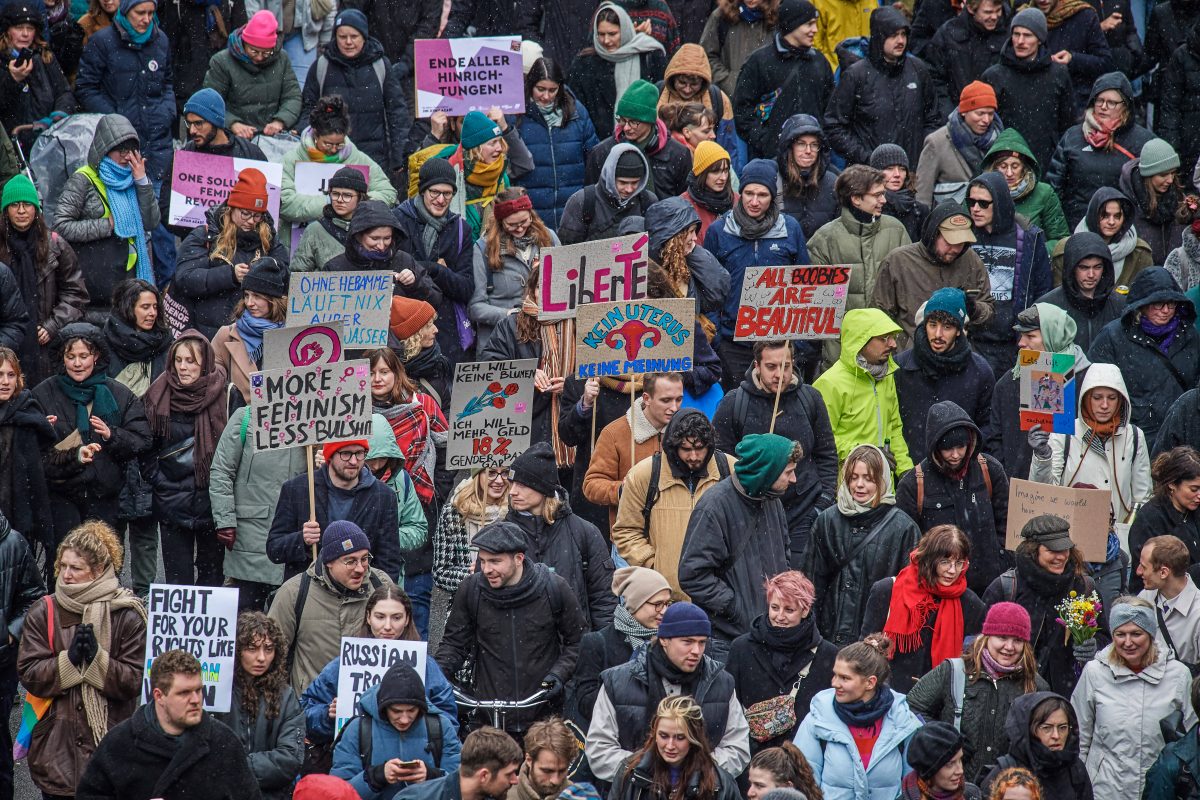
[(1168, 306), (954, 564), (1100, 103), (975, 201), (351, 563), (496, 475), (626, 122), (126, 149), (661, 607), (807, 147), (351, 455), (199, 123), (251, 216), (343, 197), (1045, 729), (438, 194)]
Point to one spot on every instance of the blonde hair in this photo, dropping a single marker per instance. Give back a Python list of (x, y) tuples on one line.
[(226, 246), (470, 501), (96, 543), (1151, 653)]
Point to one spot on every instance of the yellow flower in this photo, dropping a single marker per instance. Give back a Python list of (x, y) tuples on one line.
[(1073, 593)]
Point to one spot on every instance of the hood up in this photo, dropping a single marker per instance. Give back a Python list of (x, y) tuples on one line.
[(1106, 376), (1156, 285), (942, 418), (1004, 211), (859, 326), (1080, 246), (665, 219), (1010, 140), (886, 21), (608, 174), (112, 130)]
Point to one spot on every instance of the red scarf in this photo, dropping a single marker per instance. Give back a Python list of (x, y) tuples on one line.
[(912, 600)]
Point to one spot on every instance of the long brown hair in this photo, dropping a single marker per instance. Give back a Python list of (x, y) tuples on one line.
[(687, 713), (940, 541), (252, 627), (404, 389), (528, 327), (226, 245), (278, 308), (38, 230), (39, 46), (973, 662), (390, 591), (770, 9), (787, 765), (497, 240)]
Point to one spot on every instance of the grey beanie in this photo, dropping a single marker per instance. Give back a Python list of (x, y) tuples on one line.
[(888, 155), (1157, 157), (1032, 20)]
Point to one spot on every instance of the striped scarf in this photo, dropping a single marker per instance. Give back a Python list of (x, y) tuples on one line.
[(558, 361)]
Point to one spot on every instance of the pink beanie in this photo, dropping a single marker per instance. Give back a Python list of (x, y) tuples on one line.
[(262, 31), (1007, 619)]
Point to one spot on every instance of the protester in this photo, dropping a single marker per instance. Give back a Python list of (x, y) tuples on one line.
[(24, 433), (1175, 106), (732, 32), (638, 124), (1076, 38), (936, 753), (1088, 292), (1163, 565), (261, 307), (1111, 215), (685, 269), (710, 187), (1176, 474), (962, 47), (22, 588), (34, 93), (488, 765), (1184, 261), (1152, 182), (256, 78), (1043, 737), (98, 16), (1011, 156), (550, 750), (687, 81), (326, 240), (477, 501), (490, 155), (783, 767), (597, 211), (809, 192), (953, 154)]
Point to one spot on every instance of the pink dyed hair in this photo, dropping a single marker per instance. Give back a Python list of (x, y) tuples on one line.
[(792, 586)]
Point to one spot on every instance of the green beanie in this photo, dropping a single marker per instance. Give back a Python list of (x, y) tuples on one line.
[(20, 189), (478, 129), (639, 102), (761, 458)]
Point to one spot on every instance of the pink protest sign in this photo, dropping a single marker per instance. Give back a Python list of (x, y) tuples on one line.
[(455, 76), (200, 181)]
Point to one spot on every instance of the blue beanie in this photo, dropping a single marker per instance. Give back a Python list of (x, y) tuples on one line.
[(763, 172), (478, 129), (340, 538), (948, 300), (684, 619), (125, 6), (208, 105)]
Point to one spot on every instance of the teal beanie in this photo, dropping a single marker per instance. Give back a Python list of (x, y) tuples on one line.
[(761, 458), (478, 129)]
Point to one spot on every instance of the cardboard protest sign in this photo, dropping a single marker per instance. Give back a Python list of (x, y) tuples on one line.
[(1086, 509), (303, 346), (361, 300), (312, 178), (200, 181), (299, 406), (201, 620), (455, 76), (1047, 391), (364, 662), (792, 303), (638, 336), (491, 405), (592, 272)]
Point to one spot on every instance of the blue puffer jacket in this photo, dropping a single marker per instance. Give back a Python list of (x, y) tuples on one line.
[(118, 77), (559, 157)]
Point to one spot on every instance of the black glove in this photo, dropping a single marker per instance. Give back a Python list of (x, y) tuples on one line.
[(553, 687), (375, 777), (970, 304), (83, 646)]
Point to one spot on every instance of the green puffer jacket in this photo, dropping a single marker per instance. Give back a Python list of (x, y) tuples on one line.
[(1041, 205), (845, 240), (295, 208), (255, 94), (317, 246)]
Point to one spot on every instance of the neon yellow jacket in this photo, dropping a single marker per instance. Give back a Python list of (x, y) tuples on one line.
[(841, 19)]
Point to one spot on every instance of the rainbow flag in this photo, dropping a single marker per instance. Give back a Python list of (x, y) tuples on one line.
[(35, 708)]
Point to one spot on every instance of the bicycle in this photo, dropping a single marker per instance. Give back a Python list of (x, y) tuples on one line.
[(500, 709)]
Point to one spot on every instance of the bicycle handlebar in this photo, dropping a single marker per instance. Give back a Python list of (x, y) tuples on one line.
[(464, 699)]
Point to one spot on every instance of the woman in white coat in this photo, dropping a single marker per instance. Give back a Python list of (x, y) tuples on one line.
[(856, 733), (1122, 695)]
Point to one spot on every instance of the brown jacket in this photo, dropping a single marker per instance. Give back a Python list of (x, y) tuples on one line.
[(62, 741), (231, 354), (907, 277), (611, 461)]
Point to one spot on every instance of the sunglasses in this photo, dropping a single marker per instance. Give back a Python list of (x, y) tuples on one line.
[(984, 204)]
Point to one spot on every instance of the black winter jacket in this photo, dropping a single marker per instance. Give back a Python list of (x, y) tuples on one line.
[(960, 52), (1034, 97), (1178, 107), (815, 206), (911, 212), (598, 651), (1091, 314), (187, 29), (1080, 35), (670, 164), (1181, 425), (275, 746), (374, 214), (1159, 517), (592, 80), (236, 148), (918, 393), (927, 20), (45, 91), (167, 467), (494, 18), (20, 587), (24, 497), (1062, 781), (14, 311), (1124, 44), (397, 25), (1168, 27), (804, 81)]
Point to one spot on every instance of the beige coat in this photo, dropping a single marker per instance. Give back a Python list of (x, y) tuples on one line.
[(231, 354), (942, 171)]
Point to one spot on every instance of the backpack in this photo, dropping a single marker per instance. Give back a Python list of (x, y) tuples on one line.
[(652, 490), (987, 481), (433, 733), (741, 407), (379, 64), (301, 599)]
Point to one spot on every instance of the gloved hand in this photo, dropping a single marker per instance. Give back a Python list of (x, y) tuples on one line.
[(1085, 651), (227, 537), (1039, 440), (970, 298), (83, 646), (553, 687)]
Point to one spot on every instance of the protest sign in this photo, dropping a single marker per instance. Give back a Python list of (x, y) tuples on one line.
[(1047, 391), (591, 272), (455, 76), (302, 346), (361, 300), (312, 178), (299, 406), (200, 181), (637, 336), (1086, 509), (364, 662), (792, 303), (491, 405), (201, 620)]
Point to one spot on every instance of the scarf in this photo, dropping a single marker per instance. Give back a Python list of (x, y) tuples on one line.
[(634, 632), (626, 59), (414, 427), (552, 115), (487, 178), (1024, 186), (376, 259), (557, 361), (912, 602), (95, 603), (1099, 137), (790, 649), (320, 156), (876, 371), (1042, 582), (134, 345), (994, 669), (714, 202), (1163, 335), (251, 329), (1098, 433), (22, 258), (1063, 11), (204, 399), (750, 15), (660, 668), (970, 145), (938, 366), (92, 391), (865, 713), (138, 40), (126, 212), (755, 228), (56, 14), (433, 226), (852, 508)]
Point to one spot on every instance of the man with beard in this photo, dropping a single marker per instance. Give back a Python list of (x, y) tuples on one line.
[(550, 748), (204, 116), (1088, 291), (964, 47), (487, 770), (941, 365)]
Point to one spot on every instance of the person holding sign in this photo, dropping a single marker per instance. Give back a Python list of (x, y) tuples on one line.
[(262, 307), (689, 270)]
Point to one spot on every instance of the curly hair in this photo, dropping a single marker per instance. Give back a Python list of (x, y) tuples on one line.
[(255, 627), (330, 116), (787, 766), (694, 427), (1014, 777), (730, 9), (96, 543)]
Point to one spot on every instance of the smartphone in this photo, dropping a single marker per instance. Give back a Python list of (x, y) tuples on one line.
[(410, 764)]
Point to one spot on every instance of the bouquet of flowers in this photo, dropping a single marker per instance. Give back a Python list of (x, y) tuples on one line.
[(1079, 614)]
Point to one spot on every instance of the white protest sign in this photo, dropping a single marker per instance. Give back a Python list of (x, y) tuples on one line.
[(203, 621), (299, 406), (592, 272), (361, 300), (303, 346), (491, 406), (792, 303), (364, 662)]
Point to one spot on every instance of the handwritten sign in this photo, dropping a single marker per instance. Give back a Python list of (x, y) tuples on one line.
[(312, 178), (305, 346), (361, 300), (792, 303), (491, 405), (364, 662), (299, 406), (638, 336), (1047, 391), (200, 181), (1086, 509), (455, 76), (201, 620), (592, 272)]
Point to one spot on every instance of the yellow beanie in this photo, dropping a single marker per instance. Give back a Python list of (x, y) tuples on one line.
[(708, 153)]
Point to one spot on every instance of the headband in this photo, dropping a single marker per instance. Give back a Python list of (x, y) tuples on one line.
[(1141, 616), (504, 209)]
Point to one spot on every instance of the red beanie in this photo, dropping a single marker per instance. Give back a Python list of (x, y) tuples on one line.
[(323, 787), (250, 191), (332, 447), (977, 94), (1007, 619), (409, 316)]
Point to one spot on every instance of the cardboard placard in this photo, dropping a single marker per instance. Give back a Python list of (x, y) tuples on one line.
[(303, 346), (312, 178), (635, 336), (1047, 391), (455, 76), (491, 406), (203, 621), (200, 181), (792, 303), (592, 272), (361, 300), (299, 406), (1087, 510), (364, 662)]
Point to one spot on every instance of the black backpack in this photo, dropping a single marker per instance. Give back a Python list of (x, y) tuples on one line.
[(652, 489), (433, 733)]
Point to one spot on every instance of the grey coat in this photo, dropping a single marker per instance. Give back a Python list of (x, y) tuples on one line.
[(727, 55), (498, 291), (274, 747)]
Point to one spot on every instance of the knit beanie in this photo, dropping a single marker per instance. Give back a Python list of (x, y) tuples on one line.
[(208, 105), (637, 585), (342, 536), (537, 469), (352, 18), (409, 316), (348, 178), (948, 300), (266, 277), (478, 129), (324, 787), (639, 102), (958, 436), (125, 6), (401, 685), (331, 448), (793, 14), (262, 31), (1157, 158), (1032, 20), (932, 747), (706, 155), (20, 189), (18, 13), (531, 51), (250, 191), (437, 172), (761, 458), (976, 95), (888, 155), (764, 172), (1007, 619), (684, 619), (630, 164)]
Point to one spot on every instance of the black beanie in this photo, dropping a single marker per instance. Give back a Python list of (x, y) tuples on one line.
[(348, 178), (959, 436), (932, 747), (401, 684), (537, 469), (793, 14), (435, 171), (266, 277), (630, 165)]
